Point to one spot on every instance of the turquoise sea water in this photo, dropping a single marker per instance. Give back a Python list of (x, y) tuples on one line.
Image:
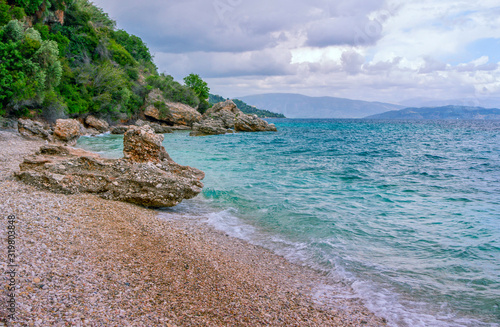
[(406, 213)]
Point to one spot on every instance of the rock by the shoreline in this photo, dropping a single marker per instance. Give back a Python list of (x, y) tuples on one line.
[(142, 144), (149, 178), (225, 117), (67, 131), (226, 112), (33, 129), (173, 113), (98, 124), (208, 127), (252, 123)]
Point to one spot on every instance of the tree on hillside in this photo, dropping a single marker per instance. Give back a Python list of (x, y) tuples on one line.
[(200, 87)]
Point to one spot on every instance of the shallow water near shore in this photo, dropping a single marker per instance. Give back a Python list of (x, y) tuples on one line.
[(405, 213)]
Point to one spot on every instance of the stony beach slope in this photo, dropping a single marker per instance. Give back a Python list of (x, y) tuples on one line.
[(86, 261)]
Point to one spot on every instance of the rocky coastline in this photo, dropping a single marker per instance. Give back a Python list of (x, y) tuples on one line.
[(83, 260), (222, 118)]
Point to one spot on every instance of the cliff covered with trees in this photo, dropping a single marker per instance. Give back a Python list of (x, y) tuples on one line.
[(65, 58)]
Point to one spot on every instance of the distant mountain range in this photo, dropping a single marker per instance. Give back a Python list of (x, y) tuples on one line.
[(446, 112), (301, 106), (490, 102)]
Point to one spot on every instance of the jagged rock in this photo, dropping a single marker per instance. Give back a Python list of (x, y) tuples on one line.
[(208, 127), (226, 116), (119, 129), (98, 124), (226, 112), (173, 113), (142, 144), (252, 123), (67, 131), (156, 183), (33, 129)]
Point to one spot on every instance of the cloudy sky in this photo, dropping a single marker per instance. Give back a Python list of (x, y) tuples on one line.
[(373, 50)]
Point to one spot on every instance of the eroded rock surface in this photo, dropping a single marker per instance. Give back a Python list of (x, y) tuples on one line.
[(173, 113), (67, 131), (33, 129), (145, 176), (98, 124)]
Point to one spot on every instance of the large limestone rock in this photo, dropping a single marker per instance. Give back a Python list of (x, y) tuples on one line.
[(33, 129), (208, 127), (252, 123), (67, 131), (142, 144), (226, 112), (173, 113), (149, 179), (98, 124), (226, 116)]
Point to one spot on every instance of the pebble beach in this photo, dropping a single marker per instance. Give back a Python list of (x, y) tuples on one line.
[(86, 261)]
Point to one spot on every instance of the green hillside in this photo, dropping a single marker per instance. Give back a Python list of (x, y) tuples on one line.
[(245, 108), (65, 58)]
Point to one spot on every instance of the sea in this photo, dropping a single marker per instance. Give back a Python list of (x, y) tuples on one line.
[(406, 214)]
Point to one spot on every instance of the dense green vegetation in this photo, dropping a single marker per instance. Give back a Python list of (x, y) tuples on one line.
[(200, 87), (245, 108), (66, 59)]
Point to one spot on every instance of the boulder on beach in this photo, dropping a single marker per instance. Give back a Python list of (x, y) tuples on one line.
[(67, 131), (145, 176)]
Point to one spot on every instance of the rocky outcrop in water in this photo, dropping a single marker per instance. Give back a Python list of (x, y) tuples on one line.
[(145, 176), (172, 113), (225, 117), (252, 123)]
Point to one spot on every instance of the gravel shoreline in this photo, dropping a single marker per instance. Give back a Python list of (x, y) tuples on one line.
[(85, 261)]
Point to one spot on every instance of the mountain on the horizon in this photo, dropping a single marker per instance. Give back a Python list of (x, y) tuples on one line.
[(446, 112), (301, 106), (490, 102)]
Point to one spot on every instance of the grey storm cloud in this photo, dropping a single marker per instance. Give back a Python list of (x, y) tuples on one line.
[(244, 25)]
